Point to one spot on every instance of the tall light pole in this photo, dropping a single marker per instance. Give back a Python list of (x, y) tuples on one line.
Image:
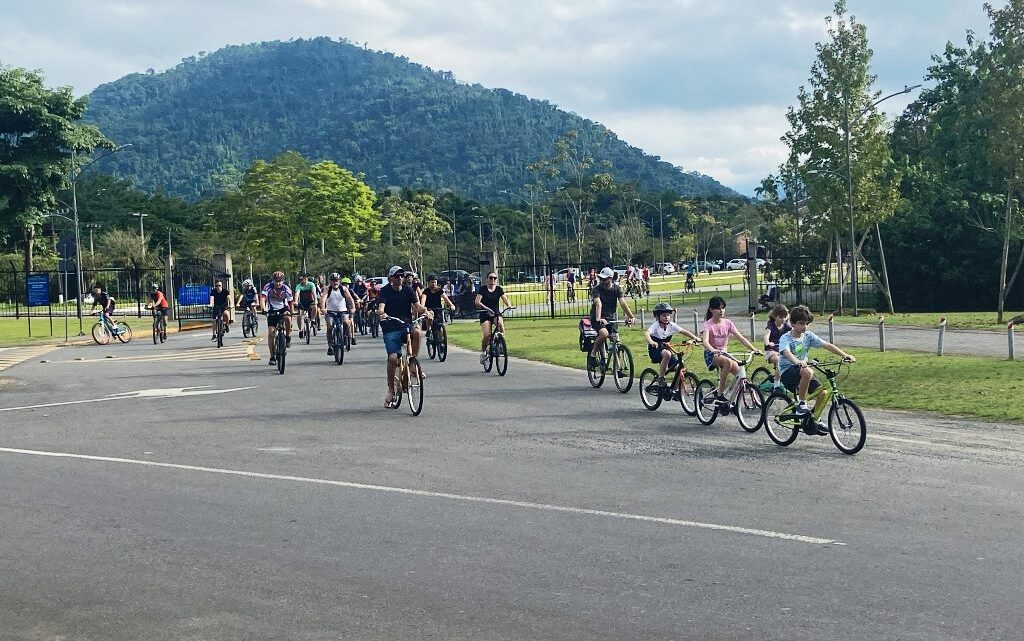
[(661, 224), (77, 171), (533, 233), (91, 227), (142, 231)]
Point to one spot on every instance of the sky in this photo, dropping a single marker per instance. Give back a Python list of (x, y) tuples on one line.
[(704, 84)]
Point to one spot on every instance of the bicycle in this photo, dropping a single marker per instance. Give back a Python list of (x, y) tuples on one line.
[(409, 376), (218, 327), (159, 325), (308, 327), (619, 357), (281, 340), (633, 289), (338, 333), (570, 292), (846, 424), (437, 337), (360, 320), (497, 350), (683, 384), (372, 320), (102, 331), (742, 397), (691, 286)]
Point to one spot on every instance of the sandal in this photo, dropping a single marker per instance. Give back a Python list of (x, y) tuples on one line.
[(389, 400)]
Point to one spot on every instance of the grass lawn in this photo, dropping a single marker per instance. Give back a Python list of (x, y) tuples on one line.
[(899, 380), (14, 331), (954, 320)]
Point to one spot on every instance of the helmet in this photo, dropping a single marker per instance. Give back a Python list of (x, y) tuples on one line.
[(346, 281), (247, 282), (431, 277), (663, 307), (278, 276), (335, 275), (154, 287), (359, 278)]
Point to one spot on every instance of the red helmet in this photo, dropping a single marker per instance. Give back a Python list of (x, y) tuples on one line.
[(278, 277)]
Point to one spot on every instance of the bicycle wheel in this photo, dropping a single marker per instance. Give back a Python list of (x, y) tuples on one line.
[(399, 378), (346, 338), (780, 421), (501, 354), (339, 352), (249, 325), (374, 326), (415, 387), (308, 326), (442, 344), (282, 350), (846, 426), (595, 368), (124, 332), (707, 407), (764, 379), (688, 393), (431, 344), (748, 407), (220, 332), (622, 371), (163, 329), (100, 334), (489, 361), (650, 389), (156, 331)]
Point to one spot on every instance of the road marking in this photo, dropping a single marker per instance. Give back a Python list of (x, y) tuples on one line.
[(9, 357), (169, 392), (799, 538), (239, 351)]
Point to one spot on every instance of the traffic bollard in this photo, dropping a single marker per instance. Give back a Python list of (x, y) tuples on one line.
[(1009, 338), (831, 329), (881, 333), (752, 326), (942, 333)]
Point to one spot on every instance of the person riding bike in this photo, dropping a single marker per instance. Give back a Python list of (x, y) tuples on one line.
[(250, 297), (335, 300), (305, 291), (605, 296), (659, 336), (159, 301), (396, 305), (346, 285), (220, 299), (434, 299), (103, 300), (489, 300), (277, 300)]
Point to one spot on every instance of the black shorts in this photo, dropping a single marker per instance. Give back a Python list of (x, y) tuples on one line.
[(791, 379), (306, 306), (612, 329), (655, 355), (217, 311), (274, 316), (486, 316)]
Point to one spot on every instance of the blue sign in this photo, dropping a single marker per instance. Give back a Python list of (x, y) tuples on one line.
[(191, 294), (38, 288)]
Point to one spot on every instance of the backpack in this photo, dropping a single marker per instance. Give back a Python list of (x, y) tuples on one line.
[(587, 334)]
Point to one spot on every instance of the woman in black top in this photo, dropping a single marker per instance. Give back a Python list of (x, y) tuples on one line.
[(489, 300)]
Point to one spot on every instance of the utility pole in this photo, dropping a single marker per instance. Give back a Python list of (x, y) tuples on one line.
[(142, 231)]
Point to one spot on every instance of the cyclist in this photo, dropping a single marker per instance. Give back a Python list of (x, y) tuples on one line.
[(396, 305), (105, 301), (159, 301), (305, 291), (346, 285), (570, 285), (659, 336), (250, 297), (715, 336), (773, 331), (277, 300), (220, 299), (797, 375), (335, 300), (358, 291), (489, 300), (434, 299), (605, 296)]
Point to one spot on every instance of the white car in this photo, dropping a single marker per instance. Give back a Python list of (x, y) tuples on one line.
[(664, 268), (736, 263)]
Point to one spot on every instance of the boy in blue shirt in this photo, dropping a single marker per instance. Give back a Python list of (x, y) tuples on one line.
[(796, 374)]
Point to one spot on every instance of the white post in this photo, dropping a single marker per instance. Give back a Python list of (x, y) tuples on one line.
[(881, 333), (942, 333), (1009, 338), (831, 329)]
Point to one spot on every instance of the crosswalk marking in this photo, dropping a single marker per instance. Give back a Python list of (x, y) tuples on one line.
[(228, 352), (11, 356)]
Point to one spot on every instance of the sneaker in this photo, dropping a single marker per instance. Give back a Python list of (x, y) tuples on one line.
[(213, 338), (272, 361), (302, 334), (676, 395), (801, 409), (721, 399), (483, 357), (353, 340), (287, 341), (330, 351), (822, 428)]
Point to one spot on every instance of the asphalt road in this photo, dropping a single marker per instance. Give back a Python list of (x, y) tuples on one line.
[(523, 507)]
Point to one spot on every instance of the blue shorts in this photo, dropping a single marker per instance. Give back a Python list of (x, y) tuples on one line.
[(709, 358), (394, 340), (655, 355)]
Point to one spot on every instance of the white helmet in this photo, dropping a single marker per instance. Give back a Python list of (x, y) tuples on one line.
[(247, 282)]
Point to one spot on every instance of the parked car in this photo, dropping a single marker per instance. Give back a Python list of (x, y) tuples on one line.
[(562, 273), (703, 266), (380, 280), (663, 268), (736, 263)]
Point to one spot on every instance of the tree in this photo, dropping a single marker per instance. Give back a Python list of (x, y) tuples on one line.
[(415, 224), (39, 128), (837, 135), (629, 239)]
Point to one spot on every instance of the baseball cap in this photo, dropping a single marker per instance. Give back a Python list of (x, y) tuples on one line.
[(395, 271), (607, 272)]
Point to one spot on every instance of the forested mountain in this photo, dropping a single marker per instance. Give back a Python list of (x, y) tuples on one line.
[(193, 127)]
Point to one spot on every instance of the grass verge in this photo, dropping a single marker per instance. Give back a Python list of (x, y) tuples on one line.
[(954, 320), (988, 388)]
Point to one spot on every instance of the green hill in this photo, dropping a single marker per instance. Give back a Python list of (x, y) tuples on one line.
[(397, 122)]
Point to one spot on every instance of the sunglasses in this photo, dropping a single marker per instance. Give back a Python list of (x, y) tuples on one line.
[(492, 278)]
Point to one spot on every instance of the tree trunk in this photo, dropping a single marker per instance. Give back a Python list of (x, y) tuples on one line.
[(885, 271), (30, 237), (828, 276), (1005, 258)]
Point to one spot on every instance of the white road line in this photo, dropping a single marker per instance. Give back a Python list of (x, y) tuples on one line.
[(799, 538), (172, 392)]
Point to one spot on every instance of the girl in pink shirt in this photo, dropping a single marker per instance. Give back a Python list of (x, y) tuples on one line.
[(716, 333)]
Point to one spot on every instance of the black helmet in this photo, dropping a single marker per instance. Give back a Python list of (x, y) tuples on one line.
[(663, 307), (431, 277)]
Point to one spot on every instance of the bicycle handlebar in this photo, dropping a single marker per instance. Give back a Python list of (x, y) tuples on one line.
[(745, 361)]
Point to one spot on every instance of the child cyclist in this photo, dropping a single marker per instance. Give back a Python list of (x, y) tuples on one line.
[(715, 335), (659, 335), (773, 331), (797, 375)]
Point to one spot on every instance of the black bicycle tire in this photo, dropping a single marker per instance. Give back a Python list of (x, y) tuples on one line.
[(616, 364), (690, 381), (308, 327), (442, 344), (156, 331), (779, 434), (750, 420), (650, 390), (339, 353), (489, 361), (501, 355), (415, 390), (706, 414), (431, 344), (125, 335), (833, 413), (281, 349), (596, 373), (163, 328), (760, 375), (220, 332)]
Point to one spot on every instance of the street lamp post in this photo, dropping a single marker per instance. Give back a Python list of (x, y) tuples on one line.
[(91, 227), (142, 230), (661, 224), (74, 207)]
